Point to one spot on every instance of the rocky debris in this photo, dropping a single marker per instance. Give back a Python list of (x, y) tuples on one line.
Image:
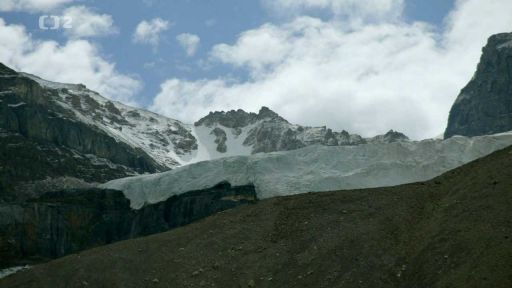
[(59, 223), (484, 106), (451, 234)]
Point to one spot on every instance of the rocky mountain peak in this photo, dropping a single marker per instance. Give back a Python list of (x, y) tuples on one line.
[(237, 118), (394, 136), (230, 119), (390, 137), (484, 106), (266, 113), (4, 70), (501, 41)]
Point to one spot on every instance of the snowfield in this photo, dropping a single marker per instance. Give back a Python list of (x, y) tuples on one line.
[(316, 168)]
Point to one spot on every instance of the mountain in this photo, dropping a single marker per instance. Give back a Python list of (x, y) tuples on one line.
[(237, 132), (241, 133), (315, 168), (452, 231), (66, 221), (57, 136), (484, 106)]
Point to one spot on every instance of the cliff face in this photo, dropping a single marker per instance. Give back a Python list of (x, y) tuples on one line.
[(484, 106), (41, 139), (60, 223)]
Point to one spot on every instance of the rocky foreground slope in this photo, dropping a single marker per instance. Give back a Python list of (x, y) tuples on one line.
[(452, 231), (67, 221), (484, 106)]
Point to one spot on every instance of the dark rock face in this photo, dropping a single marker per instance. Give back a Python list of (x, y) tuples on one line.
[(60, 223), (484, 106), (220, 139), (41, 139), (238, 118)]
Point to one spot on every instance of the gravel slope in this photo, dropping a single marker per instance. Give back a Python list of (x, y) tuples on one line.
[(453, 231)]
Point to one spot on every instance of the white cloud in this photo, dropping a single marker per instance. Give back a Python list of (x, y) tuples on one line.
[(148, 32), (189, 43), (77, 61), (87, 23), (31, 5), (354, 9), (367, 78)]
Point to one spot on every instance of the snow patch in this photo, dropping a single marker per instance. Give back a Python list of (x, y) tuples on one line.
[(207, 148), (315, 168), (17, 104), (9, 271), (505, 45)]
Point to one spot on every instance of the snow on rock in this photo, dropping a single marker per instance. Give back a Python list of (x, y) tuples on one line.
[(16, 105), (316, 168), (505, 45), (169, 142), (9, 271)]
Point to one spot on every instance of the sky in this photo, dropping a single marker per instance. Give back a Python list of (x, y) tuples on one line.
[(363, 66)]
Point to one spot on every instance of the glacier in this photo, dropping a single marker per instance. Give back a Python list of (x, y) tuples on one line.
[(315, 168)]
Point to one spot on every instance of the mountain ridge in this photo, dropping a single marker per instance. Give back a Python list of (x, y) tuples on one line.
[(172, 143)]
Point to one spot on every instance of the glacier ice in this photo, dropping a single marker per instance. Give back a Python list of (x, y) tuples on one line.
[(316, 168)]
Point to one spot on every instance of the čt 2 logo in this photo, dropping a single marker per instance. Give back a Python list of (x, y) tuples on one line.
[(52, 22)]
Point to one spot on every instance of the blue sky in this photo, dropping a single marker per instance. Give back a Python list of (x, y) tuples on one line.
[(222, 72), (214, 21)]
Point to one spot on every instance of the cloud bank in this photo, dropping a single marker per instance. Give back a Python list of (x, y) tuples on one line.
[(76, 61), (365, 69), (31, 6)]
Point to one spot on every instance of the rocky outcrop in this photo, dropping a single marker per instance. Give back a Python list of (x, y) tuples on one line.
[(266, 131), (238, 118), (390, 137), (484, 106), (59, 223), (220, 139), (29, 167)]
